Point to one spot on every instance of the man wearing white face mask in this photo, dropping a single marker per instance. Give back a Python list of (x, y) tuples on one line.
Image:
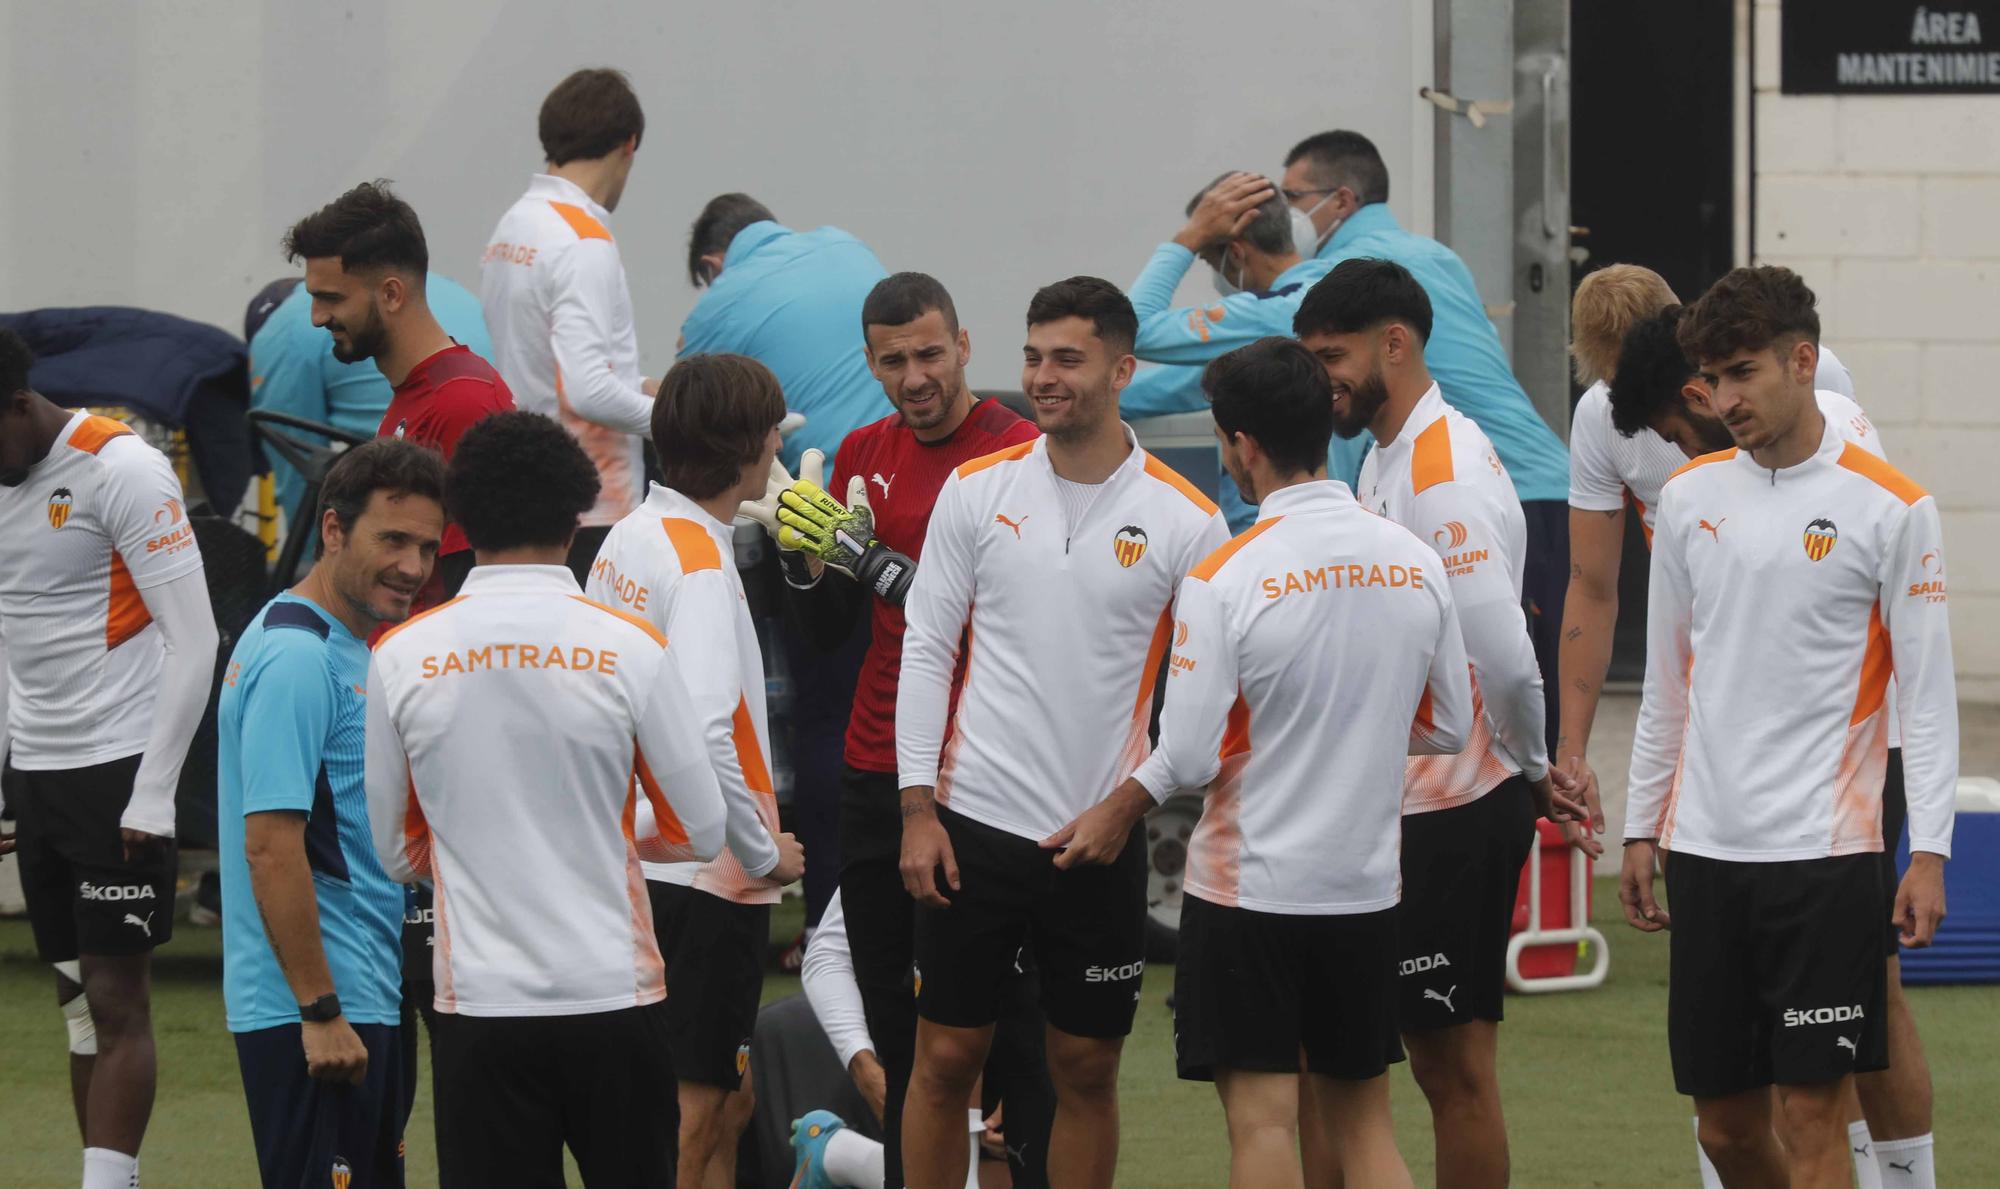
[(1241, 227)]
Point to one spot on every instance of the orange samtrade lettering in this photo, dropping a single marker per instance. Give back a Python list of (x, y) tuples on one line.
[(509, 254), (628, 591), (522, 656), (1344, 577)]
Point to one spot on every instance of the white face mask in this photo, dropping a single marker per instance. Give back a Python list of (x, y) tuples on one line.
[(1304, 237), (1223, 284)]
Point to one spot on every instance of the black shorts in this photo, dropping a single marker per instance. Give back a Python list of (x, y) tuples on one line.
[(871, 818), (311, 1133), (711, 1013), (1895, 813), (1776, 972), (419, 936), (1085, 928), (513, 1091), (83, 897), (1253, 989), (1461, 877)]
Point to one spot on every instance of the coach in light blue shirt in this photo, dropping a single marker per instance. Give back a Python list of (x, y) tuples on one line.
[(1241, 228), (312, 926), (792, 301), (1338, 181), (292, 369)]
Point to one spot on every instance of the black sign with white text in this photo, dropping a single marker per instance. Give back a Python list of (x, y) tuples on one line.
[(1889, 47)]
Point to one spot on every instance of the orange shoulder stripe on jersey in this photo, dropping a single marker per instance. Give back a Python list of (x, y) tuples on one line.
[(1871, 466), (414, 618), (1207, 568), (581, 221), (1012, 453), (126, 615), (1174, 479), (638, 621), (1430, 457), (692, 545), (95, 431), (1703, 460)]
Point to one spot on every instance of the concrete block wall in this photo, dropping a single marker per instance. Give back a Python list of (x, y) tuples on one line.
[(1889, 206)]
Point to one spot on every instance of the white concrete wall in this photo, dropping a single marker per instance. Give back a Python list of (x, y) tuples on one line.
[(1889, 206), (156, 153)]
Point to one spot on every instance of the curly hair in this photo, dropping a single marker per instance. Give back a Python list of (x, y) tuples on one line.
[(518, 480), (367, 228), (1651, 369)]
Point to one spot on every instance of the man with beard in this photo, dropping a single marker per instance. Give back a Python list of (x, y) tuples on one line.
[(918, 353), (1468, 819), (311, 926), (1059, 559), (366, 265)]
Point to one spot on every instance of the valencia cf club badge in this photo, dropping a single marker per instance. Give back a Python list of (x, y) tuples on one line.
[(1129, 545), (1820, 538), (343, 1173), (59, 505), (742, 1058)]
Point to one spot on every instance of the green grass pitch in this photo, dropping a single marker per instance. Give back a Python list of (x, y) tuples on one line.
[(1589, 1098)]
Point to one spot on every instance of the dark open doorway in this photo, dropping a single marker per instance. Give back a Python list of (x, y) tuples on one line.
[(1651, 169)]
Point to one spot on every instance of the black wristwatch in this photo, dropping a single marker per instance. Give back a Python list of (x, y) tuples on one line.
[(319, 1011)]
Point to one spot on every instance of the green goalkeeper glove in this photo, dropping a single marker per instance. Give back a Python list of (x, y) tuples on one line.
[(812, 521)]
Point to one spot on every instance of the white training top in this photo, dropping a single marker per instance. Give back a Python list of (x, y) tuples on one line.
[(1606, 467), (96, 522), (827, 976), (1781, 602), (673, 564), (1066, 634), (1441, 479), (560, 314), (1312, 654), (511, 732)]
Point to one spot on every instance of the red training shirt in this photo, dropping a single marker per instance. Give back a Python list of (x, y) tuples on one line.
[(440, 399), (904, 477)]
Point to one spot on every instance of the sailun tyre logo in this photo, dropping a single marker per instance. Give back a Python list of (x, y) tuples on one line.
[(1451, 536), (1129, 545), (1821, 536)]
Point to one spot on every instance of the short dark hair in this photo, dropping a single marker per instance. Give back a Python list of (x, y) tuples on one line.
[(16, 357), (1103, 303), (386, 464), (589, 114), (1749, 309), (711, 420), (518, 480), (1342, 158), (1362, 293), (368, 227), (1270, 231), (1652, 367), (1277, 392), (906, 297), (716, 227)]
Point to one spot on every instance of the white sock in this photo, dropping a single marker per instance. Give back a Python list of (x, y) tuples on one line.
[(854, 1160), (1906, 1163), (1710, 1179), (104, 1168), (975, 1125), (1862, 1147)]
